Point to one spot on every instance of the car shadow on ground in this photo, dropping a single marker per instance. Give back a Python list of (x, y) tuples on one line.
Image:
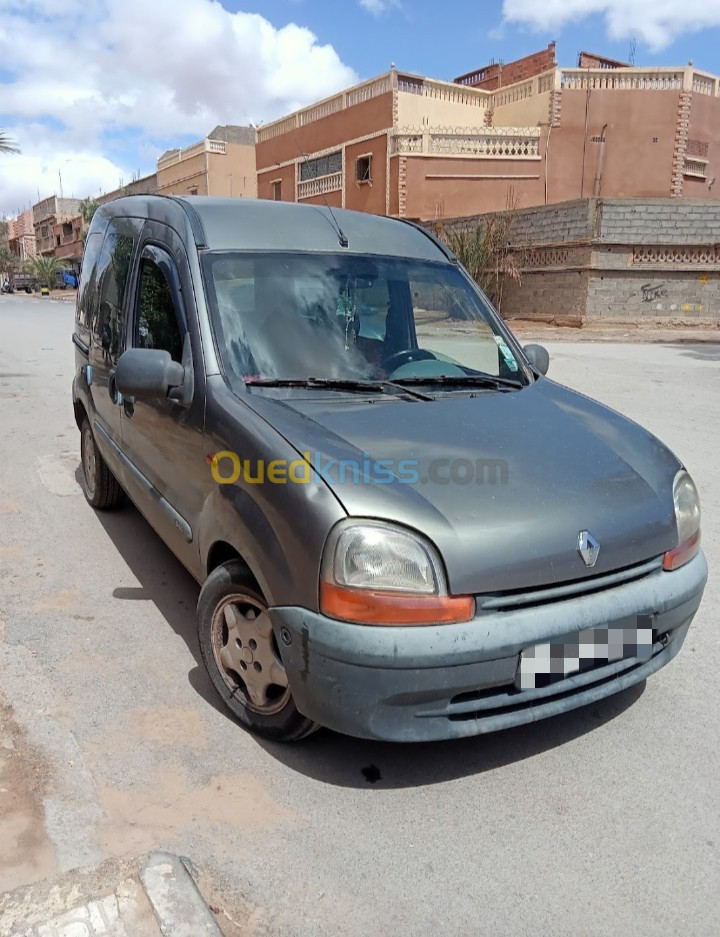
[(162, 580), (348, 762), (704, 352), (327, 756)]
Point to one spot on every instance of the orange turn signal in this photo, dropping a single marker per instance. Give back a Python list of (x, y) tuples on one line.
[(683, 553), (393, 608)]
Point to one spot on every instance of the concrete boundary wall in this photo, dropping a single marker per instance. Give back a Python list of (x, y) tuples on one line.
[(618, 258)]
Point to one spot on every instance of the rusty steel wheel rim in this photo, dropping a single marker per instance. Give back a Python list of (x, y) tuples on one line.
[(246, 654)]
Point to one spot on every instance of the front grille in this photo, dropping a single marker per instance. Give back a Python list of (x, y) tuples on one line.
[(521, 598), (509, 699), (517, 705)]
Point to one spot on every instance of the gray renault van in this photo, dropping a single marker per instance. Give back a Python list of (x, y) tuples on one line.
[(402, 529)]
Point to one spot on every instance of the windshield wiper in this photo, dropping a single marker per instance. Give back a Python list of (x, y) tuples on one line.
[(329, 383), (457, 380)]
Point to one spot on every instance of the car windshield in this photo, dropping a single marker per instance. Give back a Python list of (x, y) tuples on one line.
[(348, 317)]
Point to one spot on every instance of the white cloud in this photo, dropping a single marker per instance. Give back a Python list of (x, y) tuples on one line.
[(147, 70), (378, 7), (656, 22), (46, 162)]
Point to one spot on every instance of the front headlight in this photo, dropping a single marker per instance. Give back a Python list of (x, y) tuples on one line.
[(687, 519), (378, 556), (378, 573)]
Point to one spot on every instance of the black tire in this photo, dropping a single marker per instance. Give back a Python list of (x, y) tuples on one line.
[(99, 485), (278, 719)]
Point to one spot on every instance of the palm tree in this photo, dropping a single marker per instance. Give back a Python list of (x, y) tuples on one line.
[(7, 145), (46, 269), (88, 207)]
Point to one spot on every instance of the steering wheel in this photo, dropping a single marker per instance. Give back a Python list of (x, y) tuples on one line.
[(399, 358)]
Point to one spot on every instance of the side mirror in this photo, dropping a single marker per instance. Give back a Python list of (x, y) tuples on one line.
[(148, 374), (538, 356)]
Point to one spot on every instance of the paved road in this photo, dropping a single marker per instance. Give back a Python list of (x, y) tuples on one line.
[(604, 821)]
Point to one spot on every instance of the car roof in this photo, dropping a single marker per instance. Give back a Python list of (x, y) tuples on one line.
[(264, 225)]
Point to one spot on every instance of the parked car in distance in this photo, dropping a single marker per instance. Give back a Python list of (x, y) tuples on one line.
[(25, 283), (402, 529), (66, 278)]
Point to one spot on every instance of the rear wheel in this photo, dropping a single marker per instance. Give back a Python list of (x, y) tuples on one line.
[(100, 487), (242, 657)]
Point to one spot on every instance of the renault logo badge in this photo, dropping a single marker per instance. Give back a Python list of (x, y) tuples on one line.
[(588, 547)]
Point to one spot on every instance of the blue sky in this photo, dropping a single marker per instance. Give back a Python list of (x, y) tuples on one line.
[(443, 40), (97, 103)]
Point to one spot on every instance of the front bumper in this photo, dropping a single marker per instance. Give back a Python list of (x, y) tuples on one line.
[(425, 683)]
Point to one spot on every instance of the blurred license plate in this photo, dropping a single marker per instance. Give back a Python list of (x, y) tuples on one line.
[(544, 664)]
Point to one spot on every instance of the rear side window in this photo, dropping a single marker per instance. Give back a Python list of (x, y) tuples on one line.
[(87, 279), (113, 269)]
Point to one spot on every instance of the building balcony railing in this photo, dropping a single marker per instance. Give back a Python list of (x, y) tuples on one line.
[(572, 79), (197, 149), (75, 249), (443, 91), (640, 79), (357, 95), (320, 186), (491, 143)]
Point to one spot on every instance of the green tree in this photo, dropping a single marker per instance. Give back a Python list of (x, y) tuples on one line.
[(7, 145), (486, 253), (46, 270), (88, 207), (7, 260)]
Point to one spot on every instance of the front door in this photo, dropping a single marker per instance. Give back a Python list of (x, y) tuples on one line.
[(162, 439)]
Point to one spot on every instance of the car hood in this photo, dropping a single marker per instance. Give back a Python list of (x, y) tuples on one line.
[(502, 483)]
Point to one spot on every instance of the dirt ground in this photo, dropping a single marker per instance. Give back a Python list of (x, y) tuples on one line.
[(26, 854), (645, 331)]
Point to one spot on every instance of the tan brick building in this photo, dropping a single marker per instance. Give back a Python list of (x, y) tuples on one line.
[(415, 147), (147, 185), (47, 215), (221, 164), (21, 236)]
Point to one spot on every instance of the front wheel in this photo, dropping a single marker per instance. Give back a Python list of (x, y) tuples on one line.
[(241, 655), (100, 487)]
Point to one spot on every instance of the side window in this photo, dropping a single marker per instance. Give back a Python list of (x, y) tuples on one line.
[(113, 267), (90, 257), (157, 323)]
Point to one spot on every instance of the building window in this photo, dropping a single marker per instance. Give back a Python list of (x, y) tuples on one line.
[(277, 190), (321, 166), (67, 229), (695, 167), (44, 231), (363, 168), (193, 190), (57, 240)]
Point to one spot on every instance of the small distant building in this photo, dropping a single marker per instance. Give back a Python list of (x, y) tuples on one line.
[(591, 60), (221, 164), (147, 185), (69, 243), (21, 236), (498, 75), (49, 213)]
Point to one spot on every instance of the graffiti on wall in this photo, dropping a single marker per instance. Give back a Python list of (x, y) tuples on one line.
[(652, 292)]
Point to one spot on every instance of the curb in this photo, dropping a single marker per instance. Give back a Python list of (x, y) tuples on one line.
[(178, 905), (154, 895)]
